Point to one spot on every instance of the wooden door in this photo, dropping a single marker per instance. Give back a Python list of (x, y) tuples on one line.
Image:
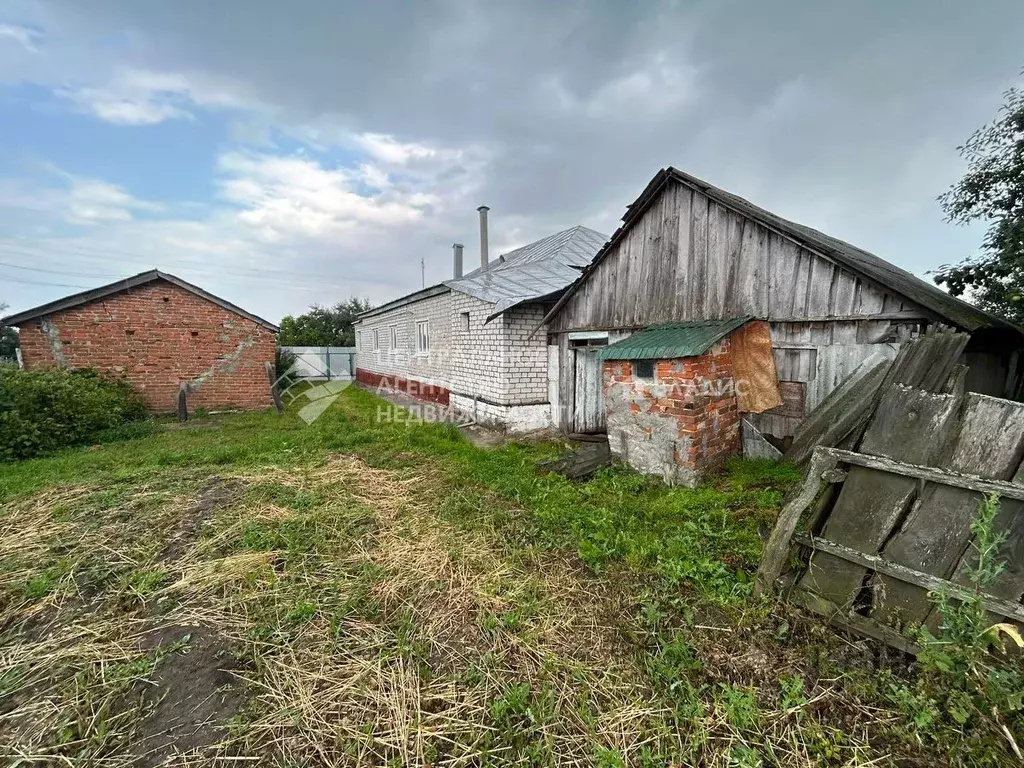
[(588, 392)]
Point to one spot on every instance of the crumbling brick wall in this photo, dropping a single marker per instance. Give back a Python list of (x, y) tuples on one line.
[(679, 424), (159, 335)]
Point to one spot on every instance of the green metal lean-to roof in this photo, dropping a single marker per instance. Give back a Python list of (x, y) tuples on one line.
[(672, 340)]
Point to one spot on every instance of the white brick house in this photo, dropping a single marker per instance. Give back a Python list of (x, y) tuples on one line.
[(473, 342)]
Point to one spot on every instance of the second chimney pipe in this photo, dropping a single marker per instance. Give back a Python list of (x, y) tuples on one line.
[(457, 258), (483, 236)]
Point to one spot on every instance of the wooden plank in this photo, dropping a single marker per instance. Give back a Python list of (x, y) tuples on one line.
[(912, 424), (680, 299), (841, 411), (717, 261), (843, 294), (926, 581), (754, 444), (750, 287), (776, 550), (852, 622), (929, 474), (819, 287), (937, 531), (792, 400), (801, 281), (275, 389), (699, 258)]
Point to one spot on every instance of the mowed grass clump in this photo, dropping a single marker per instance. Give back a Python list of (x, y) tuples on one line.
[(365, 592)]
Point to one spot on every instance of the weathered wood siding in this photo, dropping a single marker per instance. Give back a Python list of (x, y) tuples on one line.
[(689, 258)]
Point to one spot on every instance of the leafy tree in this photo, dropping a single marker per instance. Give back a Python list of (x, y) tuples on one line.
[(8, 339), (323, 326), (992, 191)]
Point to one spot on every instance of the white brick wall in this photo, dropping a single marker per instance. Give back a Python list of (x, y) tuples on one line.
[(404, 360), (495, 362)]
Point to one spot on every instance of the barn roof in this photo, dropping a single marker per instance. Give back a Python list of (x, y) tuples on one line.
[(128, 283), (669, 341), (889, 276), (533, 272)]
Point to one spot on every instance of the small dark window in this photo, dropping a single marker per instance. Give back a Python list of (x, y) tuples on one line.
[(129, 333), (166, 299), (643, 369), (195, 334)]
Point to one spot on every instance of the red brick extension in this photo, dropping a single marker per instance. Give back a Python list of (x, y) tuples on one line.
[(700, 399), (158, 335), (411, 387)]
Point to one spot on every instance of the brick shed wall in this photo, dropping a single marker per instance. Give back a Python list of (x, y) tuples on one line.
[(156, 336), (680, 425)]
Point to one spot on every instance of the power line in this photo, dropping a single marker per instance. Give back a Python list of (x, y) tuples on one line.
[(36, 282), (54, 271), (9, 249)]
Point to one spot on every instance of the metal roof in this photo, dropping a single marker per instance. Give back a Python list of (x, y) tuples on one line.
[(889, 276), (535, 271), (128, 283), (671, 340)]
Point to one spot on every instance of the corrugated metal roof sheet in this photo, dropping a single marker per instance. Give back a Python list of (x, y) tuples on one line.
[(534, 271), (672, 340)]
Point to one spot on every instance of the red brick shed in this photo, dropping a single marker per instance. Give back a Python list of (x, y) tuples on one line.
[(158, 331), (675, 393)]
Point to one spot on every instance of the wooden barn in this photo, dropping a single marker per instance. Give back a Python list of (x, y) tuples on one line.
[(688, 252)]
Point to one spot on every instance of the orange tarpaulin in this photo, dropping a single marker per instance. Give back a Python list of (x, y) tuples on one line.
[(753, 362)]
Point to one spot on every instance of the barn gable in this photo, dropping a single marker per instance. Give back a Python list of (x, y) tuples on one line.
[(687, 256)]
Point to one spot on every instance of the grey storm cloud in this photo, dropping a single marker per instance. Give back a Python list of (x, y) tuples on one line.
[(844, 116)]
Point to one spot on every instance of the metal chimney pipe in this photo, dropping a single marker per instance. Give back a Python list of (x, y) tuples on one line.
[(457, 257), (483, 236)]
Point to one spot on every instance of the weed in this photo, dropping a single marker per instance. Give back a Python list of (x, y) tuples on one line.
[(966, 694)]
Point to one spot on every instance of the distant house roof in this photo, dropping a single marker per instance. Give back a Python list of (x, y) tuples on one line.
[(671, 340), (533, 272), (950, 309), (127, 284)]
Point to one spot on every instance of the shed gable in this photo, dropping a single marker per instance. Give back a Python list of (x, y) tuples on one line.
[(690, 258)]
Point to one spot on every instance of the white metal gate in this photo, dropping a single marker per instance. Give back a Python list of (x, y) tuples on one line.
[(323, 363)]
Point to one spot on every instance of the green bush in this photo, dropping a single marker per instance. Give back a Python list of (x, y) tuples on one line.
[(43, 411)]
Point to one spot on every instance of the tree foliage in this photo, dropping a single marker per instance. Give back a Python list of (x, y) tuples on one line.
[(992, 191), (8, 339), (323, 326)]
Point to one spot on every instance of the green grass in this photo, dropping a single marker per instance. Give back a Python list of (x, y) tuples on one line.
[(392, 594)]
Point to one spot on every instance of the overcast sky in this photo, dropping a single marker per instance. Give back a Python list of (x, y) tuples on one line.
[(285, 153)]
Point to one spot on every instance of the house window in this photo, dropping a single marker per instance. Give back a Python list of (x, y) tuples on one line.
[(376, 340), (422, 336), (464, 321), (643, 369), (359, 339), (394, 337)]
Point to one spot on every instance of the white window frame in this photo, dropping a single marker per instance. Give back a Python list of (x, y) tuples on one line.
[(464, 320), (376, 340), (394, 337), (422, 337)]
